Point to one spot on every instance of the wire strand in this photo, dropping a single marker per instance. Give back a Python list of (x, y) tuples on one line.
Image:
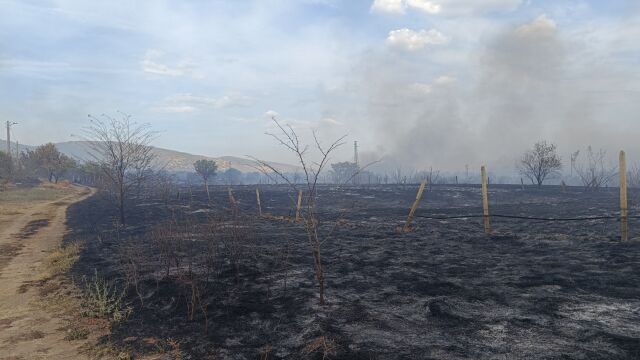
[(524, 217)]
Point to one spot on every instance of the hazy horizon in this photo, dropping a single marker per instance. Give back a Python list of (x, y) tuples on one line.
[(442, 83)]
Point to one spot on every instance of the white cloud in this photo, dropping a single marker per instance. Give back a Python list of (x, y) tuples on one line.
[(188, 103), (414, 40), (271, 113), (233, 100), (429, 7), (445, 7), (420, 89), (331, 121), (477, 7), (150, 64), (174, 109), (540, 26), (444, 80), (389, 6)]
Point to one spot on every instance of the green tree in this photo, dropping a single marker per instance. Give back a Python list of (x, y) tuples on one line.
[(47, 161), (5, 165), (232, 176), (206, 169)]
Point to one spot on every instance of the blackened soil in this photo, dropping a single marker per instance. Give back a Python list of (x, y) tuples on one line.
[(532, 290), (32, 227)]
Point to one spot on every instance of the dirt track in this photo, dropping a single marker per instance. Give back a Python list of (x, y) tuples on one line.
[(30, 230)]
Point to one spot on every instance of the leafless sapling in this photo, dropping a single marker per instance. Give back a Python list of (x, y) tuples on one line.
[(593, 171), (122, 149), (288, 138)]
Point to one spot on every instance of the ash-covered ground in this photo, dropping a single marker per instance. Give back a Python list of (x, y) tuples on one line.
[(532, 290)]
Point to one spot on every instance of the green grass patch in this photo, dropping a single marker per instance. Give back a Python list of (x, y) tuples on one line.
[(35, 194)]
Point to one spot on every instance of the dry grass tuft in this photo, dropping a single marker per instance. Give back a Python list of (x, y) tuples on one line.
[(321, 345), (265, 352), (61, 259), (76, 333)]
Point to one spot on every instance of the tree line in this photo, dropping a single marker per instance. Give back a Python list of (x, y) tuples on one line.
[(590, 168), (45, 161)]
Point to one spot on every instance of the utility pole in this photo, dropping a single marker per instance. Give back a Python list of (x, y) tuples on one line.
[(9, 124), (355, 154), (17, 155), (355, 161)]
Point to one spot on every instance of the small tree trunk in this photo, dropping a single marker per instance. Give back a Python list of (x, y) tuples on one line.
[(206, 186), (319, 273), (121, 205)]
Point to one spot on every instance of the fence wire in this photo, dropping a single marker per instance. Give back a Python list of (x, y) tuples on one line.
[(586, 218)]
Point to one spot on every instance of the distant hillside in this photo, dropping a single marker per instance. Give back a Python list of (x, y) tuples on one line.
[(171, 160), (3, 146)]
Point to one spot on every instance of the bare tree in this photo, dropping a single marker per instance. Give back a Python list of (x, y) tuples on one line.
[(311, 170), (397, 175), (206, 169), (122, 150), (342, 171), (433, 177), (540, 163), (633, 175), (593, 171), (574, 158)]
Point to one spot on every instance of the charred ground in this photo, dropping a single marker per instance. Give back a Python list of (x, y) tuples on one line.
[(531, 290)]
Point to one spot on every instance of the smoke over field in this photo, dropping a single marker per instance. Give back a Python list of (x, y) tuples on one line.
[(320, 179), (525, 82)]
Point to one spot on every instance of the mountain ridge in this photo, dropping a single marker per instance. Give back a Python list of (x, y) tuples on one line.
[(170, 160)]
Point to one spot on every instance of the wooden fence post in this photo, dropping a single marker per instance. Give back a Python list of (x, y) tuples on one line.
[(414, 207), (258, 200), (299, 205), (232, 199), (624, 226), (485, 201)]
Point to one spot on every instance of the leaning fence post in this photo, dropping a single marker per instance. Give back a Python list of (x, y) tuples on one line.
[(258, 200), (299, 205), (485, 201), (624, 226), (414, 207), (232, 199)]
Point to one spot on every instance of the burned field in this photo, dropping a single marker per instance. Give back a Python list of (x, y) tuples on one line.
[(209, 282)]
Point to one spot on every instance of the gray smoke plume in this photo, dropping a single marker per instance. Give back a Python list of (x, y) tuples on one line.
[(529, 82)]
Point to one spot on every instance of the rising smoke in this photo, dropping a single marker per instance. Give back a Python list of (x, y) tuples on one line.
[(527, 83)]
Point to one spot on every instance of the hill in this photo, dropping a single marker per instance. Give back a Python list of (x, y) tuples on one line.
[(171, 160)]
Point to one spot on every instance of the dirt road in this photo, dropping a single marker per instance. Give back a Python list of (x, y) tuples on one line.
[(29, 230)]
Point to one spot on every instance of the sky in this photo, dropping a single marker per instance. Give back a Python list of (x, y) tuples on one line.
[(418, 83)]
